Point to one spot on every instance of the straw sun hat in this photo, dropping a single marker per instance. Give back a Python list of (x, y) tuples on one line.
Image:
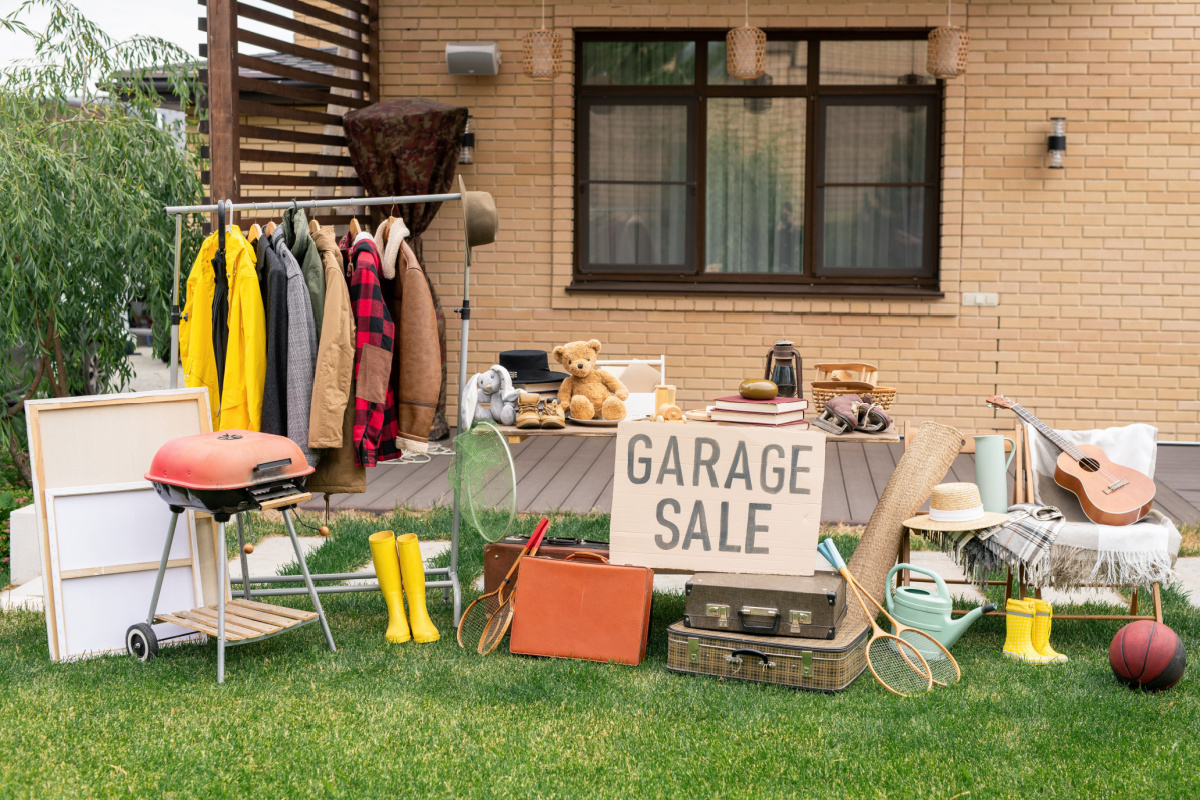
[(955, 507)]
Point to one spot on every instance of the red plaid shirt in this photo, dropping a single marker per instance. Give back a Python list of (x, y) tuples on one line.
[(374, 404)]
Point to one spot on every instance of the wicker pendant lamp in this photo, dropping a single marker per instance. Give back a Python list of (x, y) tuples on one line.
[(542, 52), (948, 47), (746, 51)]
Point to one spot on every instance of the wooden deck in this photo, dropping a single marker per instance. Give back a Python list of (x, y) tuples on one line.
[(574, 473)]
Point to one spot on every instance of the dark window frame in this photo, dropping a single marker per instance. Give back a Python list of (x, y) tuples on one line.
[(810, 281)]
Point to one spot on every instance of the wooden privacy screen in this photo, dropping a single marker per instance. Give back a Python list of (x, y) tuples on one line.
[(275, 117), (92, 441), (717, 498), (105, 543)]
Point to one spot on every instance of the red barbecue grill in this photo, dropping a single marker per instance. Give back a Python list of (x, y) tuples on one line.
[(225, 474)]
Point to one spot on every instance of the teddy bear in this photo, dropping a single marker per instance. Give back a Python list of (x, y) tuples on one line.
[(589, 392)]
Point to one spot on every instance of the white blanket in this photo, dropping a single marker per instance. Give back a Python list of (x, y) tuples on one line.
[(1085, 552)]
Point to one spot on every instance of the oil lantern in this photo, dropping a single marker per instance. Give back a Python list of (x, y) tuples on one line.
[(783, 365)]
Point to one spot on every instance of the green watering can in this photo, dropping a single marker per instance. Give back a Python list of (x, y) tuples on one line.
[(923, 610)]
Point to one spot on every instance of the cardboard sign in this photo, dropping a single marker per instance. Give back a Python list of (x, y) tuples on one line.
[(717, 498)]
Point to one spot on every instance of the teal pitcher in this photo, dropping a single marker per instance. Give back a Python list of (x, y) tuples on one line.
[(991, 471)]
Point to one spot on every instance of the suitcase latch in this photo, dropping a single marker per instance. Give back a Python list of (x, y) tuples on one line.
[(721, 612), (798, 618), (806, 663), (693, 650)]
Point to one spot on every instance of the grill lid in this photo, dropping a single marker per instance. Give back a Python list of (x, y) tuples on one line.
[(231, 459)]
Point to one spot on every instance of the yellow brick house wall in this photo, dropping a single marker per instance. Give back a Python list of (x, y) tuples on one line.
[(1095, 265)]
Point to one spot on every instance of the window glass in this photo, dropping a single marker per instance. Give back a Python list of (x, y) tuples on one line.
[(787, 65), (876, 63), (754, 185), (875, 143), (639, 63), (875, 228), (637, 190)]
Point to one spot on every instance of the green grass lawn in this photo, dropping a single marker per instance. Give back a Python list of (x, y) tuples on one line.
[(379, 720)]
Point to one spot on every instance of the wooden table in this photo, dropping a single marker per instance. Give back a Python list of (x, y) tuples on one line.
[(516, 435)]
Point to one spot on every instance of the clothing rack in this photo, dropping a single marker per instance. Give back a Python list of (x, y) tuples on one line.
[(445, 578)]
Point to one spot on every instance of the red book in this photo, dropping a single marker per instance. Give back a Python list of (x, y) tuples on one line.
[(780, 405), (730, 418)]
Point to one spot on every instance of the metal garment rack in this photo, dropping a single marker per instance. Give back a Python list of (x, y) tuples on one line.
[(445, 578)]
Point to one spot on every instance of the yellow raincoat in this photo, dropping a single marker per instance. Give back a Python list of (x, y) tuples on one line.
[(246, 356)]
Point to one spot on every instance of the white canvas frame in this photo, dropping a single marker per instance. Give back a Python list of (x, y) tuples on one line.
[(105, 544), (106, 439)]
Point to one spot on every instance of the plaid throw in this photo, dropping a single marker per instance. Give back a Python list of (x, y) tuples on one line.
[(374, 419), (1023, 541)]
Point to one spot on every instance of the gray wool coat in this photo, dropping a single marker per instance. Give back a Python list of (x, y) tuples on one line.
[(301, 362)]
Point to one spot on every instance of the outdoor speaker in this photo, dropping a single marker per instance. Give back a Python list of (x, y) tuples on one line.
[(473, 58)]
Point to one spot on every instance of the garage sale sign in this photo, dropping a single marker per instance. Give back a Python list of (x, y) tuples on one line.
[(717, 498)]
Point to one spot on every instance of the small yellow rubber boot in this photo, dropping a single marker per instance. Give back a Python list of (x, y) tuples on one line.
[(387, 570), (412, 567), (1018, 643), (1043, 614)]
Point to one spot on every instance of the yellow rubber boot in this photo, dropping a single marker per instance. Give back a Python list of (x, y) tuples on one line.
[(1043, 614), (412, 567), (1019, 642), (387, 570)]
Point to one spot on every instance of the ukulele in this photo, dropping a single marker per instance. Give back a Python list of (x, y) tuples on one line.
[(1109, 493)]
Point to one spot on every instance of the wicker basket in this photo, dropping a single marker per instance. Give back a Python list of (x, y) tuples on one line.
[(852, 377)]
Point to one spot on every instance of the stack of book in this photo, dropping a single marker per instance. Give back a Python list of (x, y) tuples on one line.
[(546, 390), (776, 413)]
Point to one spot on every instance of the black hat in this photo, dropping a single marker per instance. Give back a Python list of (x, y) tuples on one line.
[(529, 366)]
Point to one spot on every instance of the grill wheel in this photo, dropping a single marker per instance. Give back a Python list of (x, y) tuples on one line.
[(141, 642)]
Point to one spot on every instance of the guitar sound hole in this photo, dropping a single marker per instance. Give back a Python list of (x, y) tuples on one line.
[(1090, 465)]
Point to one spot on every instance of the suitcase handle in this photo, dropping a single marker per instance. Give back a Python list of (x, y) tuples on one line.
[(742, 615), (747, 651), (596, 556)]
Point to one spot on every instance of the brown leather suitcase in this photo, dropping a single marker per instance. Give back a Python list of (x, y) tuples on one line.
[(582, 608), (499, 556), (804, 606)]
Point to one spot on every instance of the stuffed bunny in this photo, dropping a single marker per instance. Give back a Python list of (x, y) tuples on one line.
[(490, 396)]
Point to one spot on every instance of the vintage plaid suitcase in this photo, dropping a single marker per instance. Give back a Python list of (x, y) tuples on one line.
[(825, 666), (807, 606), (499, 556), (583, 608)]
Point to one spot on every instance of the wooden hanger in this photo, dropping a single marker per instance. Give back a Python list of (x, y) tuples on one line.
[(254, 233), (355, 229), (313, 227), (269, 229)]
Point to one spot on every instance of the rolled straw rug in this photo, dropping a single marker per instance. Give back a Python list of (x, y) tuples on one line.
[(921, 468)]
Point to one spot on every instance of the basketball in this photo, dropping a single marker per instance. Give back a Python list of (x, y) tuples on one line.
[(1148, 655)]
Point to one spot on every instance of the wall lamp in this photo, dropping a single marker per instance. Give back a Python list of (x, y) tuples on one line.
[(466, 155), (1058, 141)]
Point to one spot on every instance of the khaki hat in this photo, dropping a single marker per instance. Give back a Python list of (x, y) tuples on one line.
[(955, 507), (479, 216)]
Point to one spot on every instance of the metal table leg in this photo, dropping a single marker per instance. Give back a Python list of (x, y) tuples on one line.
[(242, 556), (162, 567), (222, 587), (312, 590)]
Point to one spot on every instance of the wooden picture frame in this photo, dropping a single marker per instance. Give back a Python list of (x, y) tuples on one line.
[(105, 545), (105, 439)]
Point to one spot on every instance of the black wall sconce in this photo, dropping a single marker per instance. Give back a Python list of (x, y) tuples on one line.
[(466, 155), (1057, 141)]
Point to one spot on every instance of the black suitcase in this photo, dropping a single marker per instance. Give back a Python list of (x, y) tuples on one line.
[(802, 606)]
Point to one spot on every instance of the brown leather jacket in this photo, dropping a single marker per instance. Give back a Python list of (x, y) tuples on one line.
[(417, 361)]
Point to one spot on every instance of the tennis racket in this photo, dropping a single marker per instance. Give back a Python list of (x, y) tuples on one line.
[(897, 666), (501, 620), (942, 666), (474, 620)]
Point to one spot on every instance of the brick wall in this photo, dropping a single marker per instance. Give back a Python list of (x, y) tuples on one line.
[(1095, 265)]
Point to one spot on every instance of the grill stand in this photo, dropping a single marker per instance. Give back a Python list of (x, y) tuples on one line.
[(252, 621)]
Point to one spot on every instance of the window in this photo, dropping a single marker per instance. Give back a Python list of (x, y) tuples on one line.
[(820, 176)]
